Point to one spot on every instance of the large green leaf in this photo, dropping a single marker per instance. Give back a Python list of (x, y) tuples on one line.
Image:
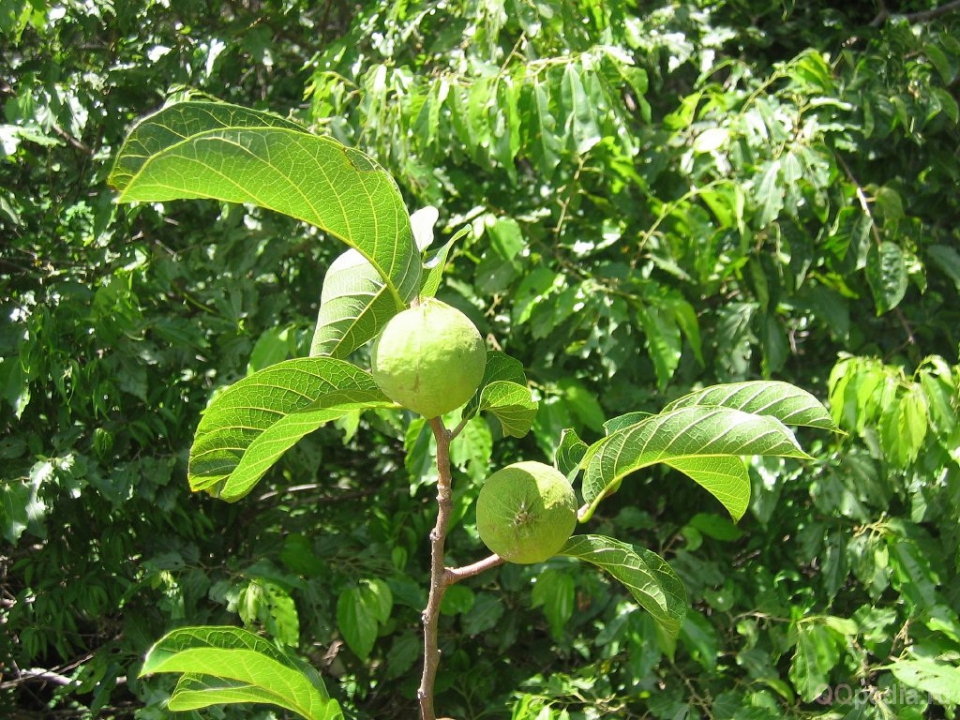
[(354, 306), (704, 442), (253, 422), (940, 679), (783, 401), (231, 665), (647, 576), (224, 152)]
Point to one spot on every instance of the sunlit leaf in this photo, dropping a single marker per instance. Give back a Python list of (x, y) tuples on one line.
[(354, 306), (555, 592), (887, 275), (662, 340), (570, 452), (651, 581), (225, 152), (941, 680), (785, 402), (435, 262), (230, 665), (512, 405), (252, 423), (704, 442), (499, 367)]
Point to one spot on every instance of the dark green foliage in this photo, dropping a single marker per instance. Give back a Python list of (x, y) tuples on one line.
[(661, 198)]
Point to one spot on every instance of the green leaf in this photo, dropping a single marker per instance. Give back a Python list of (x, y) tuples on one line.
[(14, 384), (500, 367), (15, 498), (815, 656), (948, 260), (457, 599), (913, 573), (354, 306), (230, 665), (903, 426), (570, 452), (265, 601), (555, 592), (274, 345), (582, 403), (769, 194), (716, 526), (652, 583), (662, 340), (544, 143), (357, 618), (886, 275), (225, 152), (710, 140), (704, 442), (582, 131), (783, 401), (940, 680), (700, 639), (512, 404), (252, 423), (435, 263)]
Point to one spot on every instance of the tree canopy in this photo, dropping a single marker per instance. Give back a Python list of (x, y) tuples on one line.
[(658, 197)]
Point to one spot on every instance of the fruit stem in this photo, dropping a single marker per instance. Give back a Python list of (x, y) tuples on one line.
[(438, 576)]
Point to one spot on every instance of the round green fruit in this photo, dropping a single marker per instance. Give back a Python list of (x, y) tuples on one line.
[(526, 512), (429, 358)]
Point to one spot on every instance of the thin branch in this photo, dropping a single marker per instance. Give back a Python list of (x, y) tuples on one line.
[(454, 575), (917, 17), (38, 674)]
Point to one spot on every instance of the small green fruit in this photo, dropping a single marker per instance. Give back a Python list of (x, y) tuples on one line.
[(429, 358), (526, 512)]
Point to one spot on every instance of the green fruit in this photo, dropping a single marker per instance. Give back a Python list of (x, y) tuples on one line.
[(429, 358), (526, 512)]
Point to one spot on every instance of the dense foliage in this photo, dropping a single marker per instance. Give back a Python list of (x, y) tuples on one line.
[(660, 198)]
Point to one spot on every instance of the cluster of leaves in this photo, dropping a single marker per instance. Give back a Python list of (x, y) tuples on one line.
[(114, 328), (660, 197), (673, 194)]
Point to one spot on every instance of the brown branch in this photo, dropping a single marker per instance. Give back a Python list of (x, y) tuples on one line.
[(917, 17), (455, 575), (438, 580)]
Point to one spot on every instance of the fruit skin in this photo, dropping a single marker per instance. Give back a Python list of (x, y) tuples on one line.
[(429, 358), (526, 512)]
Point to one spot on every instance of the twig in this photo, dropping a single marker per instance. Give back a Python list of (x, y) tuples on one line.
[(917, 17), (39, 674), (455, 575)]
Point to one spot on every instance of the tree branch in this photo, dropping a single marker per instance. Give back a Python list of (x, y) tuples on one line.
[(438, 579), (917, 17), (455, 575)]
